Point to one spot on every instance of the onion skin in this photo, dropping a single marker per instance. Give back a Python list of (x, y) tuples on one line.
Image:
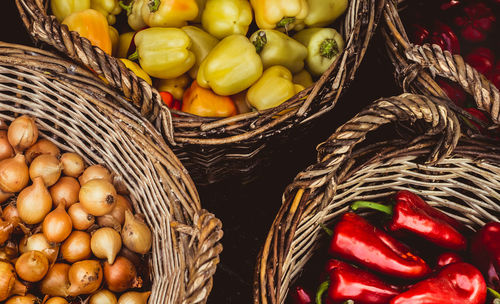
[(39, 242), (46, 166), (34, 202), (76, 247), (95, 172), (85, 277), (27, 299), (57, 225), (6, 150), (56, 282), (98, 197), (4, 196), (22, 133), (6, 229), (81, 219), (43, 146), (14, 175), (73, 164), (134, 297), (32, 266), (9, 285), (65, 190)]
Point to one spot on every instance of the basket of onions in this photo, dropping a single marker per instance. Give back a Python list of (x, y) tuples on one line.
[(95, 208)]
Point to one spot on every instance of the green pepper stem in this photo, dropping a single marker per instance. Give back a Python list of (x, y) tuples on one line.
[(260, 42), (127, 8), (285, 22), (329, 48), (371, 205), (321, 290), (134, 56), (326, 230), (154, 5), (494, 293)]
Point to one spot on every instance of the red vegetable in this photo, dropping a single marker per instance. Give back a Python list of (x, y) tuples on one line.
[(448, 258), (481, 59), (476, 22), (300, 296), (169, 100), (454, 92), (356, 240), (410, 213), (441, 35), (481, 116), (485, 253), (456, 283)]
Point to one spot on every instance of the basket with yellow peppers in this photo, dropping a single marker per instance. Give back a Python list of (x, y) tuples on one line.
[(214, 58)]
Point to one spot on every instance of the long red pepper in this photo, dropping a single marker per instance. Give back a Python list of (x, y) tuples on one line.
[(448, 258), (356, 240), (458, 283), (485, 253), (411, 213)]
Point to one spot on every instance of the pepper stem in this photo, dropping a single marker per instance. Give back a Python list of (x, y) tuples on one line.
[(371, 205), (134, 56), (127, 8), (260, 41), (154, 5), (285, 22), (326, 230), (494, 293), (329, 48), (321, 290), (349, 302)]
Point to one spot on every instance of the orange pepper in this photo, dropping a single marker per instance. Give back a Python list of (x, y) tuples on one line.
[(92, 25), (204, 102)]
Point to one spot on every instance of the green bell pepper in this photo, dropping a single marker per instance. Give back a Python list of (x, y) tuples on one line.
[(203, 43)]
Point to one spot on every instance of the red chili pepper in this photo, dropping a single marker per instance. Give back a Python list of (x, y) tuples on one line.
[(459, 283), (419, 34), (494, 76), (453, 91), (485, 253), (449, 4), (445, 37), (169, 100), (448, 258), (300, 296), (350, 283), (479, 115), (476, 23), (412, 214), (481, 59), (356, 240)]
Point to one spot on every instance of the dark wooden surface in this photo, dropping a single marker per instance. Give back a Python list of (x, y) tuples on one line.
[(247, 211)]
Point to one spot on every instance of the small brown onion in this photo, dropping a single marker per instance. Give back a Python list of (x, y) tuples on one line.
[(95, 172), (122, 204), (85, 277), (27, 299), (56, 282), (43, 146), (121, 275), (105, 244), (32, 266), (22, 133), (6, 150), (103, 296), (66, 189), (9, 284), (57, 225), (73, 164), (38, 242), (14, 175), (76, 247), (5, 196), (6, 229), (80, 218), (34, 202), (9, 251), (98, 197), (46, 166), (134, 297), (10, 214), (57, 300), (136, 235)]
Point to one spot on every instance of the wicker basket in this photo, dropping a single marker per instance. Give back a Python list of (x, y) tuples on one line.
[(457, 174), (213, 149), (75, 111), (417, 66)]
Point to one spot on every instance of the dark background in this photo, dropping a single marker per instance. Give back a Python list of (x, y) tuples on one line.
[(247, 211)]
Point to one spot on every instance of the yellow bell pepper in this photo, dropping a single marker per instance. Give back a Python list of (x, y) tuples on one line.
[(201, 8), (175, 86), (270, 14), (324, 12), (222, 18), (324, 45), (63, 8), (169, 13), (303, 78), (114, 36), (231, 67), (203, 43), (203, 102), (124, 42), (163, 52), (134, 67), (92, 25), (272, 89), (109, 8), (276, 48), (134, 14)]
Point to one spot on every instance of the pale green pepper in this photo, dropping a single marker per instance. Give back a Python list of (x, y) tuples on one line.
[(323, 45), (272, 89), (276, 48), (203, 43), (109, 8), (270, 14), (63, 8), (169, 13), (163, 52), (134, 14), (232, 66), (324, 12), (222, 18), (303, 78)]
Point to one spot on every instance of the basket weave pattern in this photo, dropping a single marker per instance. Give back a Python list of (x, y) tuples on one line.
[(458, 175), (75, 111)]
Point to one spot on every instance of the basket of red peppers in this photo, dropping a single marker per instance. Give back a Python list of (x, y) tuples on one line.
[(448, 49), (234, 73), (411, 217)]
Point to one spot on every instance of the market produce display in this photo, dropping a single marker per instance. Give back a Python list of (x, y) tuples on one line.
[(227, 52), (415, 254), (66, 233)]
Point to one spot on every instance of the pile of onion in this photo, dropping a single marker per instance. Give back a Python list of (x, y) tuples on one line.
[(65, 232)]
